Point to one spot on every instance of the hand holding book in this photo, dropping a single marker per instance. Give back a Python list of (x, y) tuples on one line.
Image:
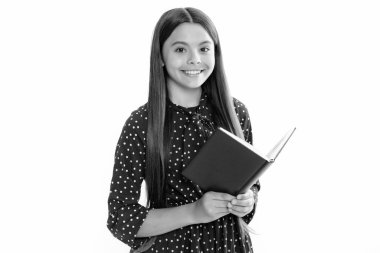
[(243, 203), (212, 206)]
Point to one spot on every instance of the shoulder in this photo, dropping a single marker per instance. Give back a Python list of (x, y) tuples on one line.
[(136, 124), (244, 120), (138, 117), (240, 109)]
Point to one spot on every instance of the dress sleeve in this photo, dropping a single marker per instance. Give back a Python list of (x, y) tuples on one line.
[(126, 215), (246, 126)]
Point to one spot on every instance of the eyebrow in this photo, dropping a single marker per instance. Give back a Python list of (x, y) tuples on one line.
[(185, 43)]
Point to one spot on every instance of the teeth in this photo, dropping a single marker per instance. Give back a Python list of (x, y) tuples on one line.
[(192, 72)]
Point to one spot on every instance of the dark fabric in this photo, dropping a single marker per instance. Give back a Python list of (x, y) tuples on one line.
[(190, 129)]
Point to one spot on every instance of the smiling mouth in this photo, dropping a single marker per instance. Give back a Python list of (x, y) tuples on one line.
[(192, 72)]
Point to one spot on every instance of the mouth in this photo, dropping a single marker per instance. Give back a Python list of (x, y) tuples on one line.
[(192, 72)]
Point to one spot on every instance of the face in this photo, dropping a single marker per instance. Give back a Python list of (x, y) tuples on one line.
[(188, 56)]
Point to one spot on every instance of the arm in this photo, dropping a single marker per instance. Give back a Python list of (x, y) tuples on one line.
[(160, 221), (125, 214), (210, 207)]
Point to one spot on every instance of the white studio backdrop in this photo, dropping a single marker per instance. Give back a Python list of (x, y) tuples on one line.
[(71, 72)]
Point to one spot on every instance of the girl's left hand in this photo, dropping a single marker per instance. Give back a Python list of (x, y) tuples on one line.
[(243, 203)]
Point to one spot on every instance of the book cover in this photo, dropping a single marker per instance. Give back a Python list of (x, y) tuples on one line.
[(226, 163)]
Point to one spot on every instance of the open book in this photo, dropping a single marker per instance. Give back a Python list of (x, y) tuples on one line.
[(227, 163)]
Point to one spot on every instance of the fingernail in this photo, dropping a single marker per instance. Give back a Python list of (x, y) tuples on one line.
[(233, 202), (229, 205)]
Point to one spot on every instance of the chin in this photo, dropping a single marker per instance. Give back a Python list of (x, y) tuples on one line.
[(194, 85)]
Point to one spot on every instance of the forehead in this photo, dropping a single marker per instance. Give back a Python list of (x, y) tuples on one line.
[(190, 33)]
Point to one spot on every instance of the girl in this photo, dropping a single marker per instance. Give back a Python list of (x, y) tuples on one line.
[(188, 99)]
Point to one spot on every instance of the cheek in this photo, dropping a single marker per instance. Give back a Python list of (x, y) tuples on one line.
[(174, 61), (210, 61)]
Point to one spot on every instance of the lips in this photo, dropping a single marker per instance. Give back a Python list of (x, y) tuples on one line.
[(192, 72)]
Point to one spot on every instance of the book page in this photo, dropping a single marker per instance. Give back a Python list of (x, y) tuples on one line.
[(272, 155)]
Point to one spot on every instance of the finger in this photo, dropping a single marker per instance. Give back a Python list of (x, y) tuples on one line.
[(222, 211), (220, 204), (222, 196), (244, 202), (240, 209), (234, 212), (245, 195)]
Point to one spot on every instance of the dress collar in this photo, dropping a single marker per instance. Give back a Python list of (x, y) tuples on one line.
[(191, 110), (199, 116)]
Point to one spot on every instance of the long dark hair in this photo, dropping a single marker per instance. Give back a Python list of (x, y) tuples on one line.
[(215, 86)]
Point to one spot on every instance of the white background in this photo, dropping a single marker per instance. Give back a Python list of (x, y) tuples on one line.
[(71, 72)]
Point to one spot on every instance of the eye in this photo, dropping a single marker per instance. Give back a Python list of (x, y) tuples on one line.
[(205, 49), (180, 50)]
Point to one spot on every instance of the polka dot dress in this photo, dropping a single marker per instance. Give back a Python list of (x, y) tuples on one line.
[(190, 129)]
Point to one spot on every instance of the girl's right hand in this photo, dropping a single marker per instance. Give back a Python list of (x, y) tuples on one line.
[(211, 206)]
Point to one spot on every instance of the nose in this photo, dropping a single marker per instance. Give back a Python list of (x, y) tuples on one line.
[(194, 58)]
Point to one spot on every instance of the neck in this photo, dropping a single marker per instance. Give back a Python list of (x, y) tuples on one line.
[(183, 96)]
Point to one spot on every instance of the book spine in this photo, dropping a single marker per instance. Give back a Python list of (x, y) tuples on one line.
[(253, 179)]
